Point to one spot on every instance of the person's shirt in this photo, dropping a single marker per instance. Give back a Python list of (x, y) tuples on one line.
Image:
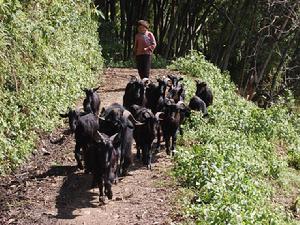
[(142, 41)]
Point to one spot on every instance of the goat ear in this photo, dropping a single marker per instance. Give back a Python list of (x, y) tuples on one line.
[(181, 105), (115, 139), (168, 101), (65, 115), (82, 113), (111, 138), (96, 89), (102, 111), (98, 137), (188, 112), (131, 118), (158, 79), (168, 82), (160, 116), (180, 90), (133, 78), (101, 119), (147, 115)]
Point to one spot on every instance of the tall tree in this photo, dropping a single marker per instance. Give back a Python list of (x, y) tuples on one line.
[(255, 40)]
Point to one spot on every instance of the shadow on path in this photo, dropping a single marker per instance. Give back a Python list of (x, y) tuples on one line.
[(75, 192)]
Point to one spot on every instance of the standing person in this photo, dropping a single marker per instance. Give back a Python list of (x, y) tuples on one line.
[(144, 44)]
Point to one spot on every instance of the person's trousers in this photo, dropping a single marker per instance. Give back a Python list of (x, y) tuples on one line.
[(143, 64)]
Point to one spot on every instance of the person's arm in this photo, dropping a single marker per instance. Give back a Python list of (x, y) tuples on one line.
[(153, 42)]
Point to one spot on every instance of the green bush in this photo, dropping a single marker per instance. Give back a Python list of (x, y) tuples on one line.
[(48, 51), (228, 158)]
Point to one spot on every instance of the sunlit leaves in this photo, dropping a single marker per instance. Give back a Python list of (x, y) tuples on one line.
[(227, 158), (47, 52)]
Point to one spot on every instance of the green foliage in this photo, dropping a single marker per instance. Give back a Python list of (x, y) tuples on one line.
[(294, 158), (112, 49), (159, 62), (48, 51), (228, 158)]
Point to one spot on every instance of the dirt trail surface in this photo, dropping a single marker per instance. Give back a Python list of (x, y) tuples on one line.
[(48, 189)]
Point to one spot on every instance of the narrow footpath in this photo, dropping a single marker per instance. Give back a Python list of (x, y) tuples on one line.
[(47, 189)]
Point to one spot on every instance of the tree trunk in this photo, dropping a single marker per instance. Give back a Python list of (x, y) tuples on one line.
[(171, 32), (262, 72), (123, 20)]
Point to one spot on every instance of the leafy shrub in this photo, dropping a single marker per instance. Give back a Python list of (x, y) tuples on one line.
[(159, 62), (294, 158), (228, 158), (48, 51)]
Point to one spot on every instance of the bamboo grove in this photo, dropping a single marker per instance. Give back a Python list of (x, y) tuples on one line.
[(256, 40)]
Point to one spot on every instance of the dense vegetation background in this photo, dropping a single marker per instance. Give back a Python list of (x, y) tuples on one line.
[(257, 41), (48, 51), (239, 166)]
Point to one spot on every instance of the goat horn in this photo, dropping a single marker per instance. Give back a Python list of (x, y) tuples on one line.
[(101, 118), (98, 137), (133, 78), (157, 115), (128, 115), (96, 89)]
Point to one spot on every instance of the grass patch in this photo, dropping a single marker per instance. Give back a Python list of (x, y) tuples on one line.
[(230, 161)]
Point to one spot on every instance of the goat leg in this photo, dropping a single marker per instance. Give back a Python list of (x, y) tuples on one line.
[(167, 140), (101, 194), (138, 151), (149, 157), (158, 135), (108, 191), (173, 147), (180, 130), (87, 158), (144, 154), (78, 156)]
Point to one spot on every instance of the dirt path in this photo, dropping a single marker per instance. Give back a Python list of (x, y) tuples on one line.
[(49, 190)]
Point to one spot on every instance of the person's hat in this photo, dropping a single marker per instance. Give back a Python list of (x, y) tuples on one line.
[(143, 23)]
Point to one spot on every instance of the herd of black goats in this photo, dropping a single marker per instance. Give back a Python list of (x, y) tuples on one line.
[(103, 142)]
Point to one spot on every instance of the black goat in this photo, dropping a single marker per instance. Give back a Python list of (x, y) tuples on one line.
[(177, 93), (155, 98), (155, 95), (170, 120), (91, 103), (84, 126), (103, 160), (175, 80), (198, 104), (116, 119), (134, 93), (204, 92), (184, 113), (144, 135)]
